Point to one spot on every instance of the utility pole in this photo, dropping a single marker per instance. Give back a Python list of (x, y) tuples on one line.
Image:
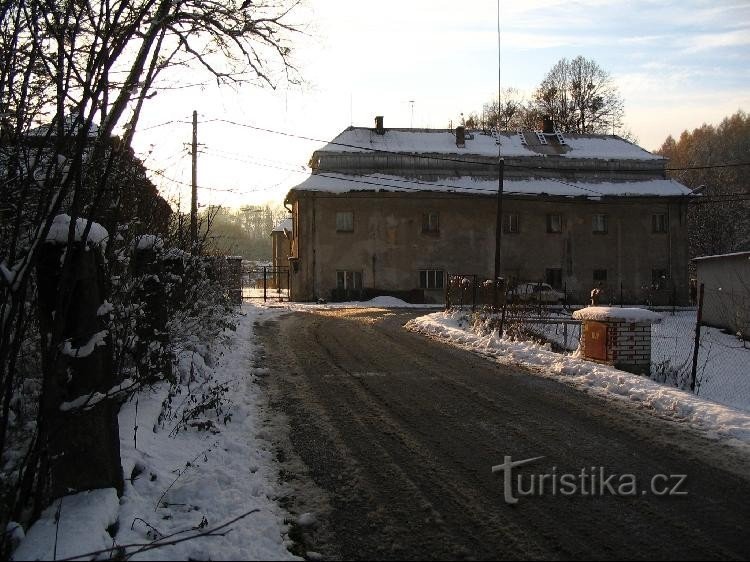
[(194, 197), (501, 173)]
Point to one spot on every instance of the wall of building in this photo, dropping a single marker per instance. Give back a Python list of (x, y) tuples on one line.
[(726, 301), (388, 246)]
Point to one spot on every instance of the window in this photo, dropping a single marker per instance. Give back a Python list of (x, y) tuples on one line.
[(553, 277), (348, 280), (345, 221), (600, 275), (554, 223), (659, 279), (510, 223), (659, 222), (599, 224), (430, 223), (431, 279)]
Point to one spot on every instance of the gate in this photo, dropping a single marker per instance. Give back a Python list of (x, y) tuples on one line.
[(270, 282)]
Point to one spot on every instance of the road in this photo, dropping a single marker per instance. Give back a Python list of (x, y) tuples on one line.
[(396, 435)]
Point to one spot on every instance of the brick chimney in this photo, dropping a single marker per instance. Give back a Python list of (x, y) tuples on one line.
[(548, 125), (379, 129), (460, 137)]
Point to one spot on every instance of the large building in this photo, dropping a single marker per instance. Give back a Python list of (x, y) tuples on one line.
[(389, 211)]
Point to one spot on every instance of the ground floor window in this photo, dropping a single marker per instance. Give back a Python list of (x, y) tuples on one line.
[(600, 275), (553, 277), (431, 279), (348, 280)]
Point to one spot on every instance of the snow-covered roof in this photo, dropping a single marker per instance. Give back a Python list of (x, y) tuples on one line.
[(614, 313), (284, 225), (340, 183), (438, 141), (719, 256)]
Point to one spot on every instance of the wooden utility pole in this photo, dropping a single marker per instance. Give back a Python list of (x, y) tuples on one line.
[(501, 173), (194, 197)]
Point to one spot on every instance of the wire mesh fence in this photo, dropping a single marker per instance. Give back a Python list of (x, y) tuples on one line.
[(722, 363)]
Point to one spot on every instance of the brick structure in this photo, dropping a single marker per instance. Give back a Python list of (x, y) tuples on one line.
[(618, 336)]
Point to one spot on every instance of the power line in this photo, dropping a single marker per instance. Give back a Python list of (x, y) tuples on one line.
[(457, 160)]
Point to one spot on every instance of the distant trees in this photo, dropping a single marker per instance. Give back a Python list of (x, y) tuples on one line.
[(719, 221), (578, 94), (245, 231)]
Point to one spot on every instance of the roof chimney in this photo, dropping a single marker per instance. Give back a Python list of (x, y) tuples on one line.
[(548, 125), (379, 129), (460, 137)]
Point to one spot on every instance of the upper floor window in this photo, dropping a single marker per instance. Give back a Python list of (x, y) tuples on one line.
[(511, 223), (344, 221), (431, 223), (659, 222), (600, 275), (600, 224), (554, 223)]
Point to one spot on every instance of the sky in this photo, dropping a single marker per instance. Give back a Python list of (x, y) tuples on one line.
[(421, 63)]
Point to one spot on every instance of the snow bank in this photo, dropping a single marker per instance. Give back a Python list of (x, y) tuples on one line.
[(186, 482), (602, 313), (58, 232), (715, 420), (377, 302), (82, 527), (217, 474)]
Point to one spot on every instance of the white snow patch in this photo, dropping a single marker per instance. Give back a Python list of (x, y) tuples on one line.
[(98, 339), (620, 314), (82, 527), (58, 232), (149, 242)]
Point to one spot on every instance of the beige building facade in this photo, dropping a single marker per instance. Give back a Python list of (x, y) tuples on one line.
[(396, 216)]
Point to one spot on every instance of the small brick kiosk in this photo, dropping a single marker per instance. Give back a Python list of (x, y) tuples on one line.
[(617, 336)]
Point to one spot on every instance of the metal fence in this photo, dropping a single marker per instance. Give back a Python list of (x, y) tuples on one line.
[(722, 361), (267, 283)]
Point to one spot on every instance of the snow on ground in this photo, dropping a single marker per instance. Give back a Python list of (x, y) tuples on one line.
[(716, 420), (377, 302), (184, 482)]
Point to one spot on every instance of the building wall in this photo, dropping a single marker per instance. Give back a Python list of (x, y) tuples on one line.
[(388, 246), (726, 301)]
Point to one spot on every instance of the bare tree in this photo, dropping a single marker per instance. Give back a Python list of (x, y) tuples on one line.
[(71, 74), (581, 97)]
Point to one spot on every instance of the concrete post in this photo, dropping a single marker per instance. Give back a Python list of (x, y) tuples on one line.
[(80, 447)]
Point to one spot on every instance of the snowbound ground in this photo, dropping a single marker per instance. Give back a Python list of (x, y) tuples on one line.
[(377, 302), (192, 481), (716, 420)]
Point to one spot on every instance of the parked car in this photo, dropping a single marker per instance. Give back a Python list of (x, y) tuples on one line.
[(536, 292)]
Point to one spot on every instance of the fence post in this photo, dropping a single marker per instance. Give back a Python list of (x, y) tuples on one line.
[(473, 293), (80, 448), (699, 317), (447, 299), (265, 283)]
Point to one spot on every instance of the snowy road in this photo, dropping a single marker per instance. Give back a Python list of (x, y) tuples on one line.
[(399, 434)]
